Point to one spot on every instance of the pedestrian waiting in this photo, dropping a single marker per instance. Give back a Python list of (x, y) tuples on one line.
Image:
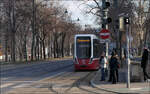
[(103, 64), (114, 66), (144, 63)]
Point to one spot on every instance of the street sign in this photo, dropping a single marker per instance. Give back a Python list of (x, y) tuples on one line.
[(104, 34), (105, 40)]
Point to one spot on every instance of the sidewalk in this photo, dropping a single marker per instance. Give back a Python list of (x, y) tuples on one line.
[(121, 86)]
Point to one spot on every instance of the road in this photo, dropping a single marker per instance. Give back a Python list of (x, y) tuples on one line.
[(14, 77), (47, 78)]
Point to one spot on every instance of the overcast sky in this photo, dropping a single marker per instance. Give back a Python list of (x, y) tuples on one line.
[(77, 8)]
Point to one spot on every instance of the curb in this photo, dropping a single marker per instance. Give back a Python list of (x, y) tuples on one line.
[(115, 91), (95, 86)]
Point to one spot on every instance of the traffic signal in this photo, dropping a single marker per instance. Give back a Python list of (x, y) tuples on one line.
[(109, 20), (103, 26), (117, 23), (106, 20), (126, 20), (121, 24), (107, 4), (123, 21)]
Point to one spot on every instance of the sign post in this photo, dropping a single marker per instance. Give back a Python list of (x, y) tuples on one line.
[(128, 59), (104, 35)]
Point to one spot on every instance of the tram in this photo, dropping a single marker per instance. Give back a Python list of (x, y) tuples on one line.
[(87, 51)]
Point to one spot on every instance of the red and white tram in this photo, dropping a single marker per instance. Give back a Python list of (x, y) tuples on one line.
[(87, 51)]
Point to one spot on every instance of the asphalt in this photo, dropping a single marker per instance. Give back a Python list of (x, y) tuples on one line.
[(13, 77)]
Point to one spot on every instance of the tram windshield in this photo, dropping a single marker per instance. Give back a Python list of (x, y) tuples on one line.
[(83, 47)]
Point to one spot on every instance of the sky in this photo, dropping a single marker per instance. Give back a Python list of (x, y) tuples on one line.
[(77, 9)]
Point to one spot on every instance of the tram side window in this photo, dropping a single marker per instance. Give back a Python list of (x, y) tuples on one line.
[(96, 48)]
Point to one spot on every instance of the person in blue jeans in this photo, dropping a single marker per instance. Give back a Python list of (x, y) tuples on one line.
[(103, 63)]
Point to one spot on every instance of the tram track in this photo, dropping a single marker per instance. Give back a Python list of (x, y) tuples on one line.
[(75, 83), (64, 83), (67, 82)]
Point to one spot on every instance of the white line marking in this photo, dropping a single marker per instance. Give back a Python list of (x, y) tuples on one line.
[(135, 88), (19, 86), (6, 85), (19, 81)]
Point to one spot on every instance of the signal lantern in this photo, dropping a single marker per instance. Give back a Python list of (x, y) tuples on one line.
[(109, 20), (126, 20), (107, 4)]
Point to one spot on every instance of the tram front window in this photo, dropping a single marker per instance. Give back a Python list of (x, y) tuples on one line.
[(83, 47)]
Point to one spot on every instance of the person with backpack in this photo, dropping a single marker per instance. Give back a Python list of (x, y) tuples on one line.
[(103, 64), (144, 63)]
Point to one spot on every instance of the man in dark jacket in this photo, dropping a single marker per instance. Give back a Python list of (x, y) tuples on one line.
[(110, 70), (114, 65), (144, 63)]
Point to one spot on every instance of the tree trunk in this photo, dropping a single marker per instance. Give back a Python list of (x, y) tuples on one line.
[(145, 39), (13, 49), (62, 44), (38, 51), (32, 48), (13, 25), (52, 52), (57, 49), (43, 49), (49, 47), (25, 48), (33, 30), (6, 46), (35, 49), (54, 45)]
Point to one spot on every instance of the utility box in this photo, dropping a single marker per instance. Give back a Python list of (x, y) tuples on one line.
[(136, 71)]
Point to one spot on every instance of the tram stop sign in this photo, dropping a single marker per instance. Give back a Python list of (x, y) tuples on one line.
[(104, 34)]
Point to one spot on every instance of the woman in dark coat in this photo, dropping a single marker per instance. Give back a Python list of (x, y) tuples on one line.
[(144, 63)]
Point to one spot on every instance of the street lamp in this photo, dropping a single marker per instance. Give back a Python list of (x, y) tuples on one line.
[(66, 11), (78, 19)]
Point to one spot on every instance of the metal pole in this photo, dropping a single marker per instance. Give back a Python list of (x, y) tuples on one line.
[(103, 13), (104, 23), (115, 4), (128, 59)]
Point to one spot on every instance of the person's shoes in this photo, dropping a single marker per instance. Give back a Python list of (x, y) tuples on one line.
[(113, 82), (102, 80), (109, 80), (148, 80)]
